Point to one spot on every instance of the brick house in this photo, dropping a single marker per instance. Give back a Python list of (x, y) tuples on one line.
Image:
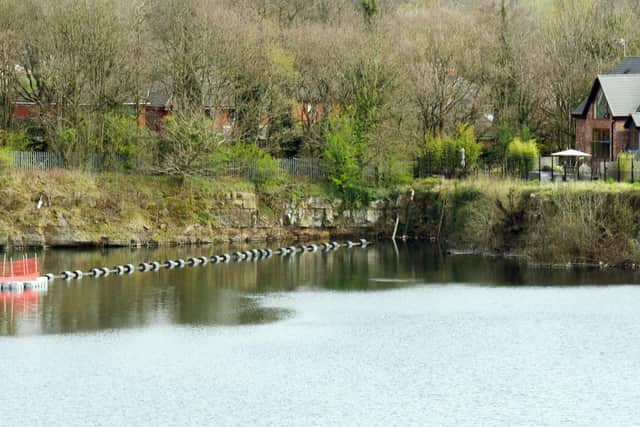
[(607, 122), (152, 107)]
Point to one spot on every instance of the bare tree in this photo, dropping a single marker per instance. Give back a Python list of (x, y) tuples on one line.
[(442, 70), (8, 48)]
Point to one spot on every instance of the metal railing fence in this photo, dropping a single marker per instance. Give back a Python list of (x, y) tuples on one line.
[(27, 160)]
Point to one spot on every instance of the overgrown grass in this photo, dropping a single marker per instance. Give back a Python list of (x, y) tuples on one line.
[(585, 221)]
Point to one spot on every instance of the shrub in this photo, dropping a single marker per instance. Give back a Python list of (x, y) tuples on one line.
[(466, 139), (432, 154), (625, 163), (521, 156), (17, 140), (344, 155), (123, 141), (187, 145), (258, 165), (443, 154)]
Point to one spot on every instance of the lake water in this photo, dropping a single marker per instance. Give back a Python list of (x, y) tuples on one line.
[(356, 337)]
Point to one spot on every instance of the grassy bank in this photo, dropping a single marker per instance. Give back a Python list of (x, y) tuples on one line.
[(81, 208), (576, 222)]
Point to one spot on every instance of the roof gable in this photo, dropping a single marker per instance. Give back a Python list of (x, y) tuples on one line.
[(629, 65), (633, 121), (622, 92)]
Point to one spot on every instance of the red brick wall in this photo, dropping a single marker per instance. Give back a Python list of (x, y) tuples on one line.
[(634, 138), (25, 111), (153, 118), (584, 132), (621, 137)]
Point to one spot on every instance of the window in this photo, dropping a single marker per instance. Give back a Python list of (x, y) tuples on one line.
[(601, 108), (601, 143)]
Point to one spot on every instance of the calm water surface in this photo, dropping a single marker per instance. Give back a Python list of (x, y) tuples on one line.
[(364, 337)]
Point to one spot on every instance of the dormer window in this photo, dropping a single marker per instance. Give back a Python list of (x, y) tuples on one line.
[(600, 107)]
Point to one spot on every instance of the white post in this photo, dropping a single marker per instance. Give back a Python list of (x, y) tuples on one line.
[(395, 228)]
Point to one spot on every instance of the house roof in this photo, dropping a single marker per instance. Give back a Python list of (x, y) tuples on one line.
[(633, 121), (622, 92), (629, 65), (216, 94), (158, 95), (581, 109)]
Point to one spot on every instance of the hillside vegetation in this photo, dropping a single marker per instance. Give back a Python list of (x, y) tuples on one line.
[(379, 80)]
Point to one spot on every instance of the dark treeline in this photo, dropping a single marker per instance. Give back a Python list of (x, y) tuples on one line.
[(402, 71)]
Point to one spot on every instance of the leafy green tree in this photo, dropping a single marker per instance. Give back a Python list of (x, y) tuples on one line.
[(344, 155)]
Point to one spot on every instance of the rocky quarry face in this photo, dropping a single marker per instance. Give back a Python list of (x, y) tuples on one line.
[(233, 217)]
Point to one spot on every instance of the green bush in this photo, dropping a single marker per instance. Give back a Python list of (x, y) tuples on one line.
[(260, 166), (122, 141), (466, 139), (15, 140), (433, 153), (521, 156), (442, 153), (114, 136), (344, 155), (625, 163)]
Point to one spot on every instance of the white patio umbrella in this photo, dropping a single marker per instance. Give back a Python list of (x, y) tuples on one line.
[(570, 153)]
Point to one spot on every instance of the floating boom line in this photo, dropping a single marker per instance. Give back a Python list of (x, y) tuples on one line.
[(239, 256)]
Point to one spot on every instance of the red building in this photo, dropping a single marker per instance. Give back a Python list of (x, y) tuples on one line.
[(607, 122)]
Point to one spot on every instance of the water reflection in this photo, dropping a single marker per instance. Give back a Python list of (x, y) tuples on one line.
[(227, 294)]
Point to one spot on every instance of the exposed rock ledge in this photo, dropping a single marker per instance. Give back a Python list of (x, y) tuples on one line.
[(233, 217)]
